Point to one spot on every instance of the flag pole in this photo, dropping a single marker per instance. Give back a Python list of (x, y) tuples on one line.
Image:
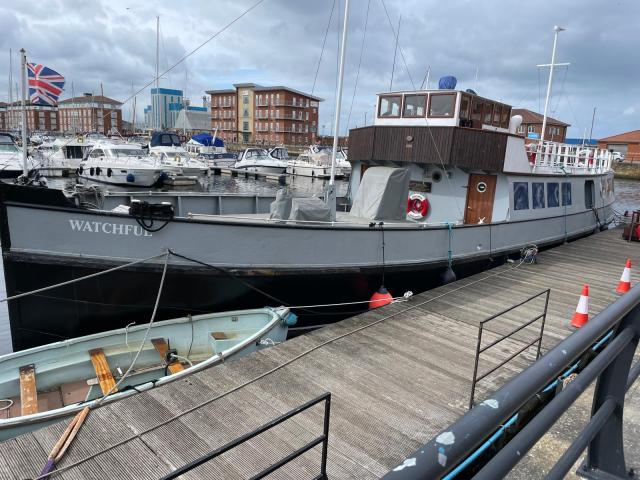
[(25, 140)]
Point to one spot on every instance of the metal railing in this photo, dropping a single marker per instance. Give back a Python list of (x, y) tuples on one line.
[(570, 158), (494, 436), (322, 439), (480, 349)]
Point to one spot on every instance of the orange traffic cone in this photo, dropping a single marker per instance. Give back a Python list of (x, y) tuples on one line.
[(380, 298), (625, 280), (582, 310)]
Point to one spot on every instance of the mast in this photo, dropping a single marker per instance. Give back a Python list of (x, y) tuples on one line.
[(133, 120), (557, 30), (25, 140), (156, 111), (73, 109), (331, 192), (10, 79), (395, 51)]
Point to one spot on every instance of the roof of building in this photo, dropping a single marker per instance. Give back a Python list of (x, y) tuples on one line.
[(89, 99), (627, 137), (193, 120), (166, 91), (260, 88), (529, 116)]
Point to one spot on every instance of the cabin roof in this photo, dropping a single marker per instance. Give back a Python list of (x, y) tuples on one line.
[(627, 137), (529, 116)]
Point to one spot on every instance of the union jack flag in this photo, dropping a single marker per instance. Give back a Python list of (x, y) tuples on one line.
[(45, 85)]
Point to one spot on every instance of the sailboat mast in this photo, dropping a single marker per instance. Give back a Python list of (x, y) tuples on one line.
[(25, 140), (10, 79), (73, 109), (156, 108), (336, 127), (557, 30)]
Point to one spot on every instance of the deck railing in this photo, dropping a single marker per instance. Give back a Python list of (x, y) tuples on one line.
[(570, 158), (536, 341), (489, 440), (321, 439)]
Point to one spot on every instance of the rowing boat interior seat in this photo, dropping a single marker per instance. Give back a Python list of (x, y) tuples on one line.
[(103, 372), (162, 347)]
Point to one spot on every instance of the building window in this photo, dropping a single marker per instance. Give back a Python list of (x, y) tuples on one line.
[(537, 195), (520, 196), (245, 126), (531, 128), (245, 99), (520, 129), (566, 193), (553, 195)]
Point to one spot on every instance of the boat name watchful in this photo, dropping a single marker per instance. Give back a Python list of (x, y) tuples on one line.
[(108, 228)]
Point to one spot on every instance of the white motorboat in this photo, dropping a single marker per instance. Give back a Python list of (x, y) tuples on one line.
[(62, 156), (316, 162), (11, 157), (210, 150), (172, 157), (120, 164), (259, 160)]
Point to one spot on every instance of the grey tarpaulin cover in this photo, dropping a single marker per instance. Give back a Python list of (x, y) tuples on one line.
[(280, 208), (382, 194), (309, 209)]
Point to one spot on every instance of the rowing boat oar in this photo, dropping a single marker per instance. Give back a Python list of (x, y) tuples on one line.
[(65, 440)]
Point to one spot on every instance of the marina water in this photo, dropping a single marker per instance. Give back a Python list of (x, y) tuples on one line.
[(627, 199)]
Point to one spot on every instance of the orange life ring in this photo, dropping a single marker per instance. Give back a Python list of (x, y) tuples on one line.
[(417, 206)]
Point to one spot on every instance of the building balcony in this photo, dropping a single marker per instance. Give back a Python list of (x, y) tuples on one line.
[(262, 129), (262, 103), (227, 105)]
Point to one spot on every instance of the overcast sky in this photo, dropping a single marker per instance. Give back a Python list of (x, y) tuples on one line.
[(280, 42)]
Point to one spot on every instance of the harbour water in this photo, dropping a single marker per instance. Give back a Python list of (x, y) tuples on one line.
[(627, 199)]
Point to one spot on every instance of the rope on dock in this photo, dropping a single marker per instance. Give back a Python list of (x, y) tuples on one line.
[(269, 372)]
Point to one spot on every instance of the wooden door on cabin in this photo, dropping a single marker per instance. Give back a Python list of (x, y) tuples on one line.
[(480, 194)]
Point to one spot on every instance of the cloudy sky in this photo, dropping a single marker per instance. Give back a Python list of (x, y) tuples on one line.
[(491, 46)]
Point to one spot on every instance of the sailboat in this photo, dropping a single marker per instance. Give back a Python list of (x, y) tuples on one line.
[(440, 182)]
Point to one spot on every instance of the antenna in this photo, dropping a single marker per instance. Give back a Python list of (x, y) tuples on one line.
[(593, 119), (425, 80)]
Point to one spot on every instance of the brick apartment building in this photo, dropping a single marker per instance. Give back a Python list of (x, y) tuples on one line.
[(531, 127), (89, 113), (42, 118), (269, 115)]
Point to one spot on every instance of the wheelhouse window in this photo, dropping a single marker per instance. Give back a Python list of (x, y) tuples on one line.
[(390, 106), (589, 194), (487, 113), (537, 195), (442, 105), (520, 196), (465, 111), (505, 116), (476, 110), (553, 195), (566, 193), (414, 105), (496, 116)]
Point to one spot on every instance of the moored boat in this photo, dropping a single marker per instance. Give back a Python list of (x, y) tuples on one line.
[(316, 162), (46, 384), (119, 164), (172, 157), (259, 160), (11, 165)]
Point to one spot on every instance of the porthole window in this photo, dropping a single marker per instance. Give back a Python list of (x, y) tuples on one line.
[(436, 176), (481, 187)]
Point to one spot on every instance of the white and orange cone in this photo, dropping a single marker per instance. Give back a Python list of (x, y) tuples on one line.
[(581, 317), (624, 285)]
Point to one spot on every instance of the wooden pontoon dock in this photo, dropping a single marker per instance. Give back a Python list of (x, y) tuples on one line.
[(397, 376)]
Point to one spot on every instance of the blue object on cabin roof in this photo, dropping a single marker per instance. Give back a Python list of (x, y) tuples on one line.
[(207, 139), (448, 82)]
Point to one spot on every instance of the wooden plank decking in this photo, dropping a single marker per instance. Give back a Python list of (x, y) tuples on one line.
[(398, 375)]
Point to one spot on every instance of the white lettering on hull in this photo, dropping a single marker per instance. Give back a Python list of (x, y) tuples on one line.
[(108, 228)]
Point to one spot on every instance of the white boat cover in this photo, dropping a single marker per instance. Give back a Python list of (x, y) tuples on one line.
[(382, 194), (310, 210)]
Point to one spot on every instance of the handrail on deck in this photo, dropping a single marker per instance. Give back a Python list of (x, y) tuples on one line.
[(321, 439), (526, 407)]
